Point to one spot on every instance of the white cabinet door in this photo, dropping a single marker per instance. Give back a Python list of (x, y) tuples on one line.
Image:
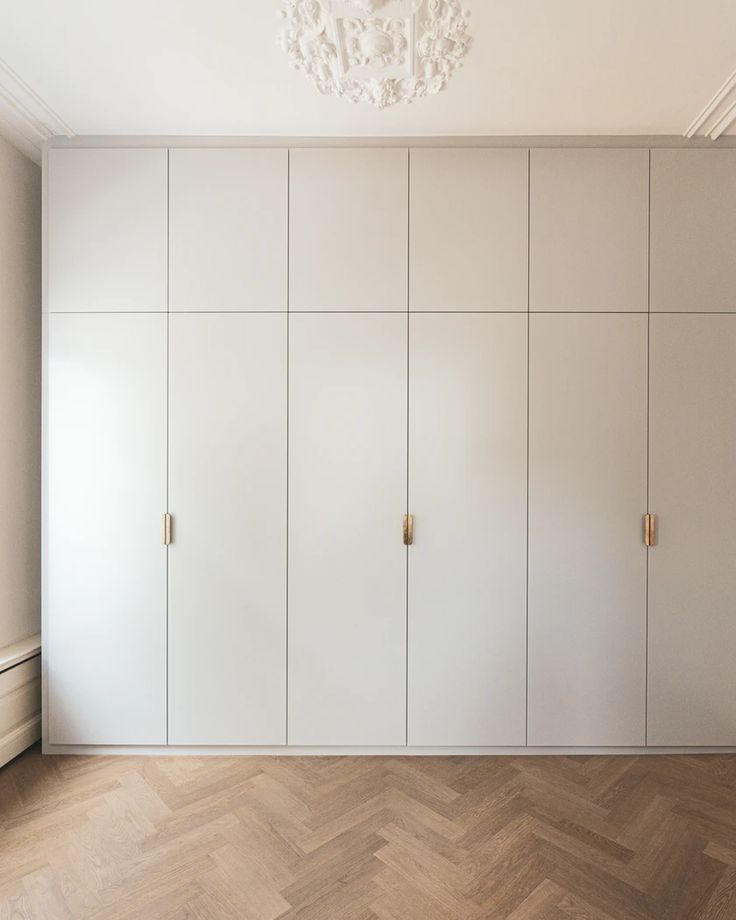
[(347, 498), (587, 560), (348, 231), (107, 230), (105, 565), (467, 492), (693, 231), (227, 495), (692, 568), (469, 229), (588, 230), (228, 237)]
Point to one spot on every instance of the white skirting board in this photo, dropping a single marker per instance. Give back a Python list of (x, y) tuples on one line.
[(185, 751), (20, 697)]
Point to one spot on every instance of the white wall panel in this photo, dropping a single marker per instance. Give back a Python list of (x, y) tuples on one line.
[(227, 495), (105, 473), (692, 569), (20, 396), (107, 230), (587, 560), (347, 498), (467, 567), (228, 218)]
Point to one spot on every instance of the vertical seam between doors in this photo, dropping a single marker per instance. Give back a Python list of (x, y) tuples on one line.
[(168, 408), (288, 385), (528, 405), (648, 449), (408, 358)]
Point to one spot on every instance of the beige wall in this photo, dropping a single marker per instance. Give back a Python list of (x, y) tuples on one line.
[(20, 395)]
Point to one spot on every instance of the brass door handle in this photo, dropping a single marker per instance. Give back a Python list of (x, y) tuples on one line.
[(166, 530), (650, 530), (408, 530)]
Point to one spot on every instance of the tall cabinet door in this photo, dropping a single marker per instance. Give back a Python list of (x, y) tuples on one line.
[(105, 568), (347, 498), (227, 496), (467, 491), (587, 559), (692, 569)]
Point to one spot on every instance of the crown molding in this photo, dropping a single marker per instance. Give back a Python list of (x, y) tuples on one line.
[(637, 141), (719, 113), (25, 119)]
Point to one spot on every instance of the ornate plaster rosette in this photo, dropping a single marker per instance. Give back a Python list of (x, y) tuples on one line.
[(375, 51)]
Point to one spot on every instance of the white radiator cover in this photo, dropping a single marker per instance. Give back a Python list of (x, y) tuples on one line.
[(20, 697)]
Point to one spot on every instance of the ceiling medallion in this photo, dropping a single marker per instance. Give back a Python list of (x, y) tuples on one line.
[(375, 51)]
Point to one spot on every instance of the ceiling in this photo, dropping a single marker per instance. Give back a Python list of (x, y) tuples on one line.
[(213, 67)]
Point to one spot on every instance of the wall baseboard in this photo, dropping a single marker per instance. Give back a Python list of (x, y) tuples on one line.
[(236, 751)]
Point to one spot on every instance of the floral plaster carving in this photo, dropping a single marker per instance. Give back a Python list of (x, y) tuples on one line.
[(375, 51)]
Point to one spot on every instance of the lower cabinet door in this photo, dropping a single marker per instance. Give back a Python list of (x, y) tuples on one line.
[(105, 565), (347, 498), (227, 496), (692, 567), (587, 559), (467, 491)]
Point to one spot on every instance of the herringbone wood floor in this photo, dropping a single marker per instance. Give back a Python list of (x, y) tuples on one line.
[(368, 838)]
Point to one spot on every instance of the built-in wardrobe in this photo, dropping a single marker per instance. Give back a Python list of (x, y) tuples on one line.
[(375, 448)]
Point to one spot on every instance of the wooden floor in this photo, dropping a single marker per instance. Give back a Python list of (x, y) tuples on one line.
[(366, 838)]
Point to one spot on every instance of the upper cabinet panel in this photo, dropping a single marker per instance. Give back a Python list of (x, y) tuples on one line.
[(469, 230), (106, 230), (693, 231), (589, 229), (348, 229), (228, 229)]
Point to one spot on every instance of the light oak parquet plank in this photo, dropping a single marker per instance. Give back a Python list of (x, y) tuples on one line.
[(45, 895), (368, 838)]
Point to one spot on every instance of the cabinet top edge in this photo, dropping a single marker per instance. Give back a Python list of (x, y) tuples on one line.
[(500, 141), (18, 652)]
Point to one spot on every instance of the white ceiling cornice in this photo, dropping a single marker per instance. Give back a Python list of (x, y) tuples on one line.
[(718, 114), (25, 119)]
